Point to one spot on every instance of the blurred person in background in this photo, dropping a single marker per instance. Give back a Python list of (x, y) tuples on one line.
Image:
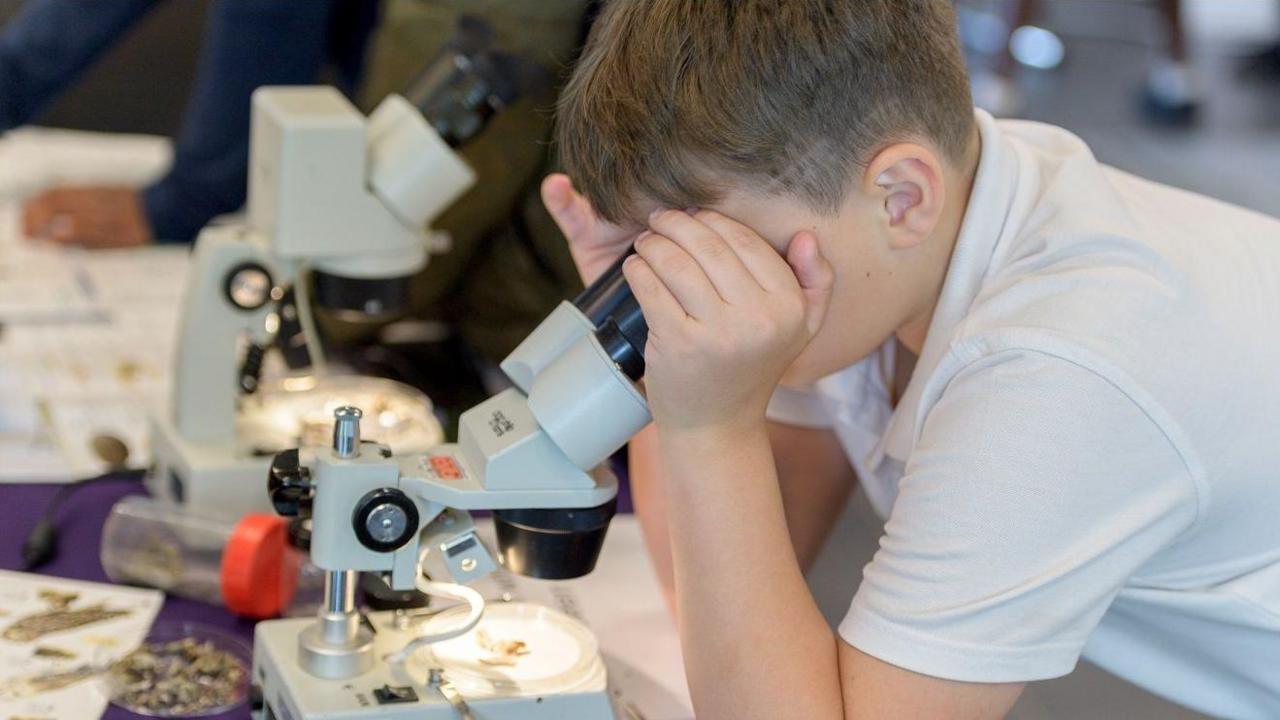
[(995, 89), (1173, 92), (1264, 63), (247, 44), (508, 265)]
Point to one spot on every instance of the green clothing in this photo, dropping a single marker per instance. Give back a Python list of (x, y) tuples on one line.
[(509, 265)]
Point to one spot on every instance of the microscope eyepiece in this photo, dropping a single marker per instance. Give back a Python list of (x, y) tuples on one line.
[(620, 326)]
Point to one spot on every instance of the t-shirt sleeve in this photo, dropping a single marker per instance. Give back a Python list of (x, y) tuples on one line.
[(1035, 491), (798, 406)]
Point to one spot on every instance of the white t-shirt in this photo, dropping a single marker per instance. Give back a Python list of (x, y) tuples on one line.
[(1087, 457)]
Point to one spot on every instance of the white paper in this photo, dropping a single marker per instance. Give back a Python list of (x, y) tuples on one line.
[(33, 158), (87, 338), (39, 282), (63, 384), (96, 644)]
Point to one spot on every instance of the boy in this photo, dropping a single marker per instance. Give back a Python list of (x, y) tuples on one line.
[(1057, 381)]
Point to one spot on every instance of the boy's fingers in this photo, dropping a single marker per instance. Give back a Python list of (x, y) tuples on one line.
[(659, 306), (681, 274), (763, 261), (815, 275), (732, 280)]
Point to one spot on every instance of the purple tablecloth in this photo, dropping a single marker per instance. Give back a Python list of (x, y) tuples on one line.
[(80, 523)]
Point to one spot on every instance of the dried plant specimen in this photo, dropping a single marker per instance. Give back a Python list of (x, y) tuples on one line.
[(181, 677), (33, 627), (501, 652), (53, 653)]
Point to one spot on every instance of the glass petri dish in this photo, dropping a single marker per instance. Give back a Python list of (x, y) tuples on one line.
[(559, 654), (298, 412), (192, 670)]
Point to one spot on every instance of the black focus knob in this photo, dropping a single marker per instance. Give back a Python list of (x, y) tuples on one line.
[(289, 485), (385, 519)]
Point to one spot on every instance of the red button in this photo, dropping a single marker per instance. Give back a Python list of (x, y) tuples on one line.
[(446, 467)]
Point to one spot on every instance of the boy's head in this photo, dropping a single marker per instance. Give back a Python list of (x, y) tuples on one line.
[(848, 117)]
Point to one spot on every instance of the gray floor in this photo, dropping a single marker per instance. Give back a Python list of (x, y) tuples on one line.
[(1233, 153)]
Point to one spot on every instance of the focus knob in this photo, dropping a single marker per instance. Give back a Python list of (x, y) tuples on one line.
[(289, 485), (385, 519)]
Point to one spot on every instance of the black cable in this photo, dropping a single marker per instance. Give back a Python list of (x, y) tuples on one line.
[(41, 544)]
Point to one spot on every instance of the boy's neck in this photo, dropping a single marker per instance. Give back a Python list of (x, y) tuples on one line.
[(959, 186)]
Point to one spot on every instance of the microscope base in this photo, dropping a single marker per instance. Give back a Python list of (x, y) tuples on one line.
[(290, 693), (215, 477)]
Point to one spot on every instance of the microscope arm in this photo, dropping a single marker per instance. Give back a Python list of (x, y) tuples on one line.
[(231, 289)]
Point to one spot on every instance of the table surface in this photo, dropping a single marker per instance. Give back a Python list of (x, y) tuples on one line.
[(80, 529)]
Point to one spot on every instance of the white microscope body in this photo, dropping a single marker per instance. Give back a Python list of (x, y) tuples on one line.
[(330, 191), (532, 454)]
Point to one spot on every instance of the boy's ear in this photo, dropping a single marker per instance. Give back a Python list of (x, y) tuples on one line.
[(906, 181)]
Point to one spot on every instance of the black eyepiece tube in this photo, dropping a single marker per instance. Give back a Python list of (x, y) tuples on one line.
[(620, 327)]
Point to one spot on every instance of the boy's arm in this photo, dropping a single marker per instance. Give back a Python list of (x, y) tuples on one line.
[(814, 476), (755, 644)]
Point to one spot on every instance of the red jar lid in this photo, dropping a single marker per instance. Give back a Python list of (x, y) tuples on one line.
[(259, 570)]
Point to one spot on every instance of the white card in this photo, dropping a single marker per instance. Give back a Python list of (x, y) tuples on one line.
[(93, 645)]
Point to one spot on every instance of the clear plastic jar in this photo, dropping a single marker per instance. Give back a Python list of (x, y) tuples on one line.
[(248, 566)]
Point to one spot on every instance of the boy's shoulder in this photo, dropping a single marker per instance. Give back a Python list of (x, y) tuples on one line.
[(1086, 251), (1064, 190), (1153, 289), (1158, 291)]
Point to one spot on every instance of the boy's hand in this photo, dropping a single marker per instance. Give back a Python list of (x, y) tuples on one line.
[(726, 313), (594, 243)]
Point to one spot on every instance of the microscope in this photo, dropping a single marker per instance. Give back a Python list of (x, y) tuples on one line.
[(535, 456), (337, 203)]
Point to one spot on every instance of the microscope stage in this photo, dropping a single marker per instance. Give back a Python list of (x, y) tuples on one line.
[(522, 662)]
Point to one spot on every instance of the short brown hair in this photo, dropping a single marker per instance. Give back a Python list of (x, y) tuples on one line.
[(673, 97)]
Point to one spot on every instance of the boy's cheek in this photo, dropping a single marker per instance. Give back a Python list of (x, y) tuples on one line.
[(834, 348)]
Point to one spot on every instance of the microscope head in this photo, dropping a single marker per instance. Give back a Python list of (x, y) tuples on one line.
[(579, 369), (351, 197), (412, 168)]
